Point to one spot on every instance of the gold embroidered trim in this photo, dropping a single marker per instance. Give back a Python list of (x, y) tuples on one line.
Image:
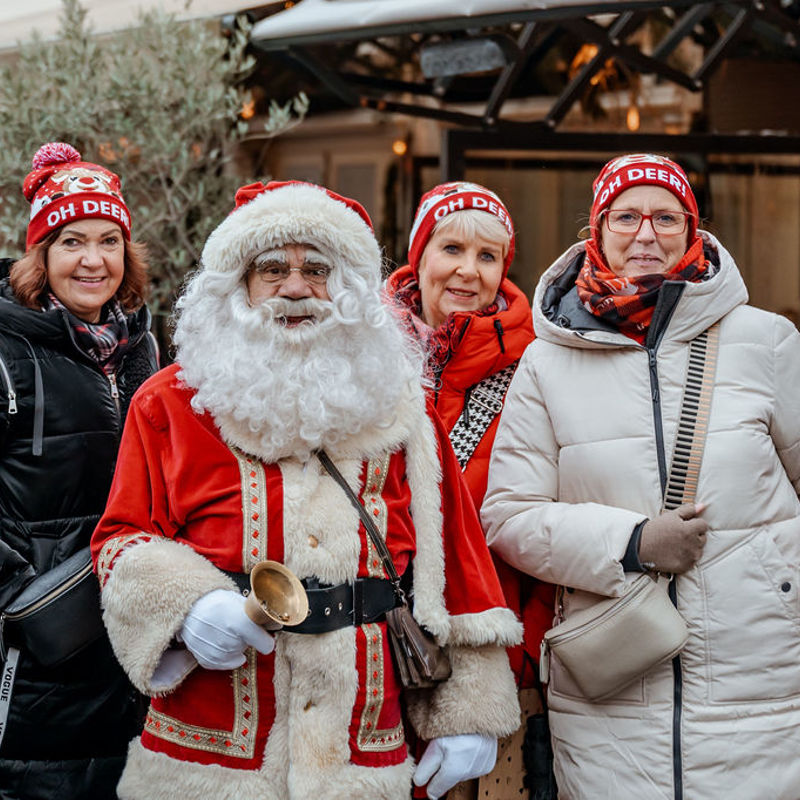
[(237, 743), (254, 509), (112, 549), (370, 739), (375, 504)]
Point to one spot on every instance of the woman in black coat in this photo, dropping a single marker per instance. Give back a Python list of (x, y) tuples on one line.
[(74, 346)]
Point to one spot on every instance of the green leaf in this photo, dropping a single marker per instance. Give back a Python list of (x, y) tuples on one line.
[(158, 103)]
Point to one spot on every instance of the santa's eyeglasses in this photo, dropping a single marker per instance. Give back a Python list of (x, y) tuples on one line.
[(315, 275)]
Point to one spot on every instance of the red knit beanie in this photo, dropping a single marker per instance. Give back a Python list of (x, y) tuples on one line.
[(447, 198), (641, 169), (62, 188)]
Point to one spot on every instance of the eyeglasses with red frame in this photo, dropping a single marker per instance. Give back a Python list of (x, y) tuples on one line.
[(664, 222)]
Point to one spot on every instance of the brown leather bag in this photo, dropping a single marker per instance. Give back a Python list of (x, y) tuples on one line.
[(420, 661)]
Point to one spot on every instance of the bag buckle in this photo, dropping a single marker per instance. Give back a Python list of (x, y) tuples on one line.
[(358, 602), (544, 662), (487, 401)]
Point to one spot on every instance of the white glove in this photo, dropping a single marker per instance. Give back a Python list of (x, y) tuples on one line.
[(217, 631), (449, 760)]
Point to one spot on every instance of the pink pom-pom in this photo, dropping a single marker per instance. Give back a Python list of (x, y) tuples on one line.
[(55, 153)]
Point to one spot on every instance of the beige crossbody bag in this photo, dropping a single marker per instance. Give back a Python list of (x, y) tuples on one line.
[(611, 644)]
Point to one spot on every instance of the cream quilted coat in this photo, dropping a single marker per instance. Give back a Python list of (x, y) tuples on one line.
[(580, 458)]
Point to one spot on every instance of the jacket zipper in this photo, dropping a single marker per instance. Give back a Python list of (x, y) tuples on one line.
[(438, 383), (659, 327), (112, 380), (677, 678), (12, 395), (655, 396), (677, 709)]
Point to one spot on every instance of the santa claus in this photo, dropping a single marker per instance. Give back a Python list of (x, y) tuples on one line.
[(284, 348)]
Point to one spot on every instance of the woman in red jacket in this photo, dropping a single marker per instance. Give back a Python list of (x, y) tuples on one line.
[(474, 324)]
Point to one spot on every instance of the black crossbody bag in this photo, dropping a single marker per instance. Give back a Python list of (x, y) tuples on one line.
[(56, 615)]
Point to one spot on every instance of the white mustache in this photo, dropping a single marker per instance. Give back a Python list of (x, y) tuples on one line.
[(275, 307)]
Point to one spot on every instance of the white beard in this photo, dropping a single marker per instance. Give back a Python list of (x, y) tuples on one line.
[(341, 383)]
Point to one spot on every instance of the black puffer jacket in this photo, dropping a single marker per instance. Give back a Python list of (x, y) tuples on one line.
[(58, 447)]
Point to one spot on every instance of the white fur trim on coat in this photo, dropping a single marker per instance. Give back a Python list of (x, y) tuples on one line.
[(146, 599), (153, 776), (479, 697), (497, 626)]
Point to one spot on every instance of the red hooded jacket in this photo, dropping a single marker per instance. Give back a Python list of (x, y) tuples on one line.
[(489, 344)]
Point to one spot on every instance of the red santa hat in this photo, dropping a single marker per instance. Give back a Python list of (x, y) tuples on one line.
[(638, 169), (446, 199), (62, 188), (273, 214)]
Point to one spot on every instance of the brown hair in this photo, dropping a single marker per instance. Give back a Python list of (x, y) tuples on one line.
[(28, 276)]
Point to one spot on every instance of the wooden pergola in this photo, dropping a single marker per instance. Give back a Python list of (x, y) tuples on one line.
[(489, 51)]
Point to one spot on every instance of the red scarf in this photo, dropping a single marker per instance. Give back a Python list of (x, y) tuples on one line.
[(628, 303), (439, 343)]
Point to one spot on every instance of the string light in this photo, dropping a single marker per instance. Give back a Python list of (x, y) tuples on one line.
[(248, 109)]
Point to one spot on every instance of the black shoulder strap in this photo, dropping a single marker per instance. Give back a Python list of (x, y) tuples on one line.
[(690, 439)]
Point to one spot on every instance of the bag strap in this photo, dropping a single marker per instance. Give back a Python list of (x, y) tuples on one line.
[(483, 402), (693, 422), (7, 687), (369, 523)]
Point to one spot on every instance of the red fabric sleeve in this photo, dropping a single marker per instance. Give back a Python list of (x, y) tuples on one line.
[(138, 500), (173, 473)]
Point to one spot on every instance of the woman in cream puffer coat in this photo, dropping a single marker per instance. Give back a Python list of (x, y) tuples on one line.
[(579, 463)]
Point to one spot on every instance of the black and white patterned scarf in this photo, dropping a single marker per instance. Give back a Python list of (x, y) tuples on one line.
[(105, 341)]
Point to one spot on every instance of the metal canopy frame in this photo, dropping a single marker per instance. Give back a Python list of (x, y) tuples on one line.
[(721, 25)]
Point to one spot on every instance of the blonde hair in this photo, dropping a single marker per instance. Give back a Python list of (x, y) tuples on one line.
[(474, 224)]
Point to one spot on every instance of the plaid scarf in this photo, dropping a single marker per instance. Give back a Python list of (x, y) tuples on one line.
[(628, 303), (105, 341), (440, 343)]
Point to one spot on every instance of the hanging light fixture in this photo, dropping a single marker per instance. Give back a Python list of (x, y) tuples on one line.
[(633, 119)]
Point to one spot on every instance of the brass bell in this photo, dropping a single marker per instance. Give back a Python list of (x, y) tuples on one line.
[(276, 597)]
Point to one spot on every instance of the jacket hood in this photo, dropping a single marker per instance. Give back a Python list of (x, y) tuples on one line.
[(559, 316)]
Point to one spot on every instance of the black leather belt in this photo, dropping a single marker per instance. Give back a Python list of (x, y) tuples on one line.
[(334, 607)]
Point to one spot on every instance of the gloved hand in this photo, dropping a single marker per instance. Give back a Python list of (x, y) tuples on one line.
[(674, 540), (449, 760), (217, 631)]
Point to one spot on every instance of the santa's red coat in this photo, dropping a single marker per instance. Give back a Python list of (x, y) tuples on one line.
[(322, 717)]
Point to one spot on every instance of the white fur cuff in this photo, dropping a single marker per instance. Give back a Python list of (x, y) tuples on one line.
[(148, 594), (479, 697), (498, 626)]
